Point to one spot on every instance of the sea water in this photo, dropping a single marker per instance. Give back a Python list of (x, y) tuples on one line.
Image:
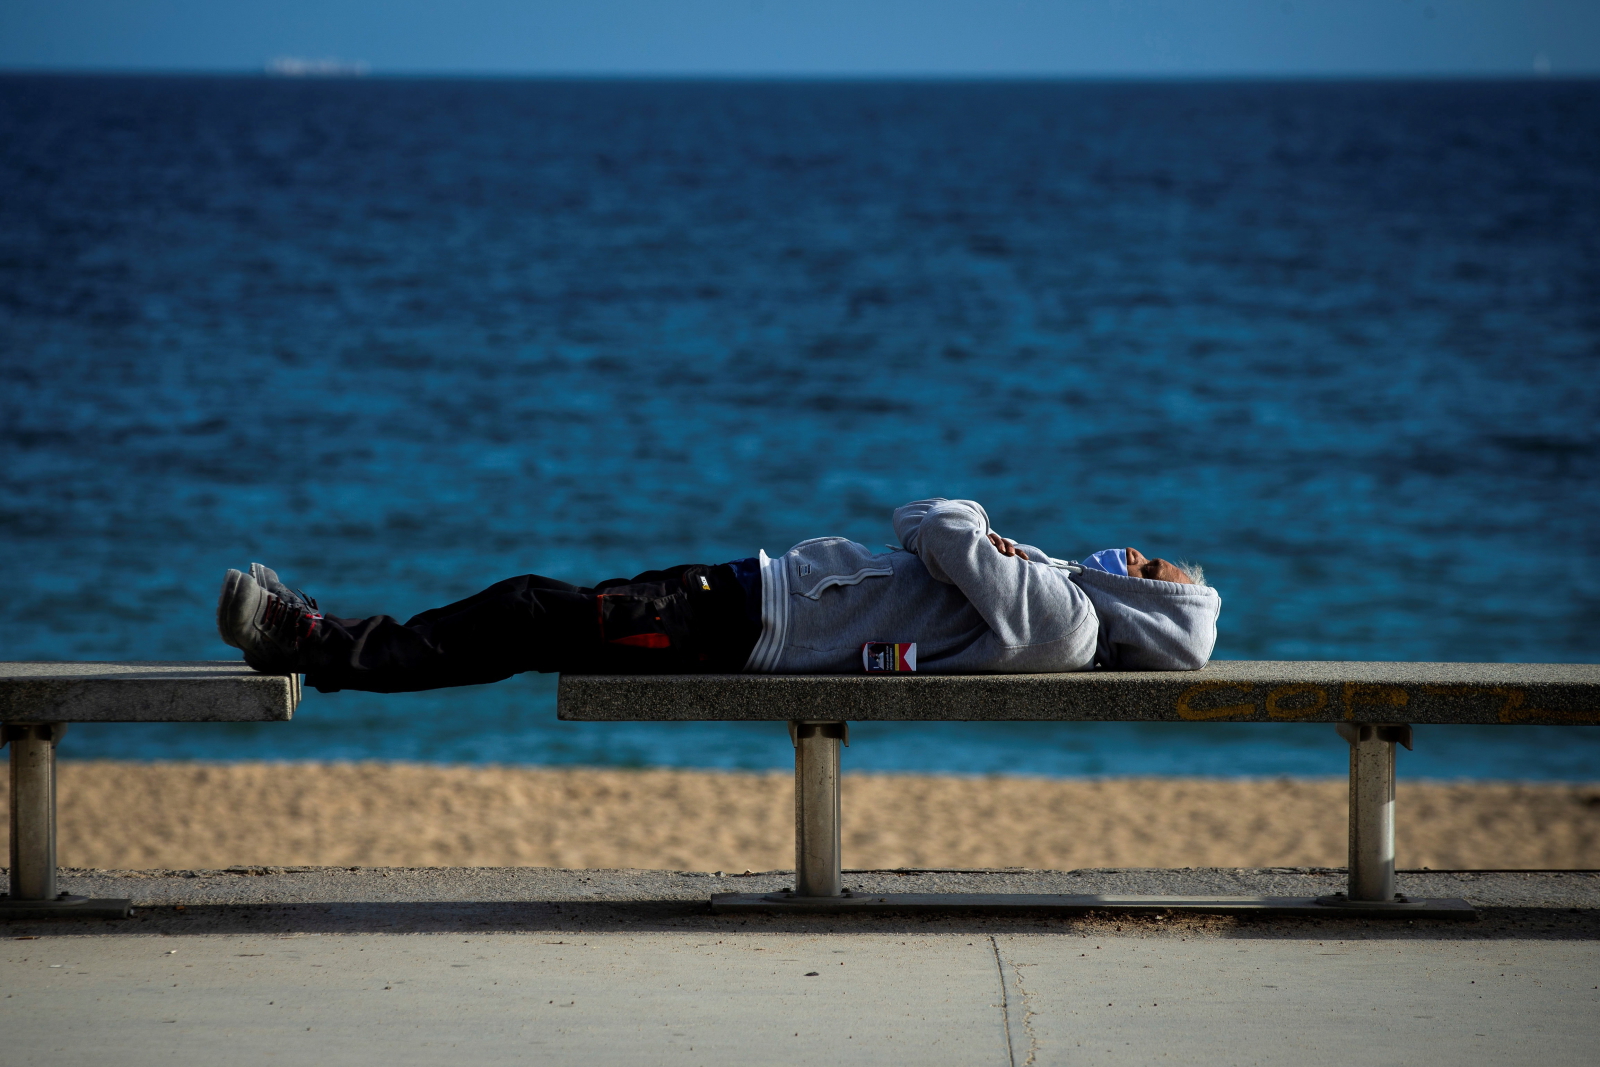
[(1337, 342)]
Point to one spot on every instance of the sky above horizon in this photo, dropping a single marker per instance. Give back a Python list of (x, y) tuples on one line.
[(1062, 38)]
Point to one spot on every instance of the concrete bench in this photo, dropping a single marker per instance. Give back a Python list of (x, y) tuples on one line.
[(38, 700), (1372, 705)]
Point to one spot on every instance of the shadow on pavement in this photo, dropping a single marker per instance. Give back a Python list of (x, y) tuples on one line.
[(437, 917)]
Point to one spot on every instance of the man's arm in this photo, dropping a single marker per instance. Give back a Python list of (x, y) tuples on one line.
[(1024, 603), (908, 521)]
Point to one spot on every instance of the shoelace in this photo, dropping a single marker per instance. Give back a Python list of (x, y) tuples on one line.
[(285, 622)]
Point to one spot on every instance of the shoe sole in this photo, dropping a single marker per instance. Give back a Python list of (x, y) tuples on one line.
[(237, 605)]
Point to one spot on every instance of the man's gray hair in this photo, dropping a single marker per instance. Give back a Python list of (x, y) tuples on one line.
[(1194, 572)]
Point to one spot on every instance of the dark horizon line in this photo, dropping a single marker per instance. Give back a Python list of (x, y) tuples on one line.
[(264, 74)]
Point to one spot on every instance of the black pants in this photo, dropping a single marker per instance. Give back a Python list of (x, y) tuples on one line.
[(688, 618)]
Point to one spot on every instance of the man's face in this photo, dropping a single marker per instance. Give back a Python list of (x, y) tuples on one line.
[(1157, 569)]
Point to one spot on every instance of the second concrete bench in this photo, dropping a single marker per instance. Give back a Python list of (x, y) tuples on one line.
[(39, 700), (1372, 705)]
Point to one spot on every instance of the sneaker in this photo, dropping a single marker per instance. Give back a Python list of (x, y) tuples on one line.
[(269, 628), (267, 578)]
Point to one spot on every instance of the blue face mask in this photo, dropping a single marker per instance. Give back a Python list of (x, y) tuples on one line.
[(1110, 560)]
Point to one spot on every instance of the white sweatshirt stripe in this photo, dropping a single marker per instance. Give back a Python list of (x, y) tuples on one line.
[(774, 616)]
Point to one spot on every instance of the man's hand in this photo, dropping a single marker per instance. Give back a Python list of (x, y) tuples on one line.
[(1006, 547)]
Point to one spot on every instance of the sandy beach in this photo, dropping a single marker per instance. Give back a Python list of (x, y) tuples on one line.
[(198, 815)]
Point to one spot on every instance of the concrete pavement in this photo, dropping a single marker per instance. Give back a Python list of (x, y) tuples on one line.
[(604, 998), (502, 966), (1301, 1001)]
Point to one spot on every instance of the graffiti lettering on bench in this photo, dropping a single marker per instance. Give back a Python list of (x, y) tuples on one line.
[(1512, 704), (1209, 701), (1284, 703), (1187, 710)]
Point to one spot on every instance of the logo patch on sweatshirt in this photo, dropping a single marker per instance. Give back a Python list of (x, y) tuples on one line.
[(885, 657)]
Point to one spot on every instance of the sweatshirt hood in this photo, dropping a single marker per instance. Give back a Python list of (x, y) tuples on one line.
[(1146, 625)]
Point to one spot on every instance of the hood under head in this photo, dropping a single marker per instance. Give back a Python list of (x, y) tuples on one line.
[(1146, 625)]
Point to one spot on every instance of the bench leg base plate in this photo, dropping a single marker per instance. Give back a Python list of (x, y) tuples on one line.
[(1076, 904), (65, 908)]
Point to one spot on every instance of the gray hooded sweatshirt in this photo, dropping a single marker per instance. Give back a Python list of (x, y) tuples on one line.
[(968, 608)]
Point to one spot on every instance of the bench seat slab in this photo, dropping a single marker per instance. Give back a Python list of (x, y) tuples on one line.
[(205, 691), (1522, 694)]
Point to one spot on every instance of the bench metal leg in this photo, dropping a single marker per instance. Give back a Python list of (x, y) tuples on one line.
[(1372, 882), (1371, 818), (33, 810), (817, 854), (33, 831)]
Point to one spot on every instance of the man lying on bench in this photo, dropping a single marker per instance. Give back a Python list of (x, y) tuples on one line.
[(973, 602)]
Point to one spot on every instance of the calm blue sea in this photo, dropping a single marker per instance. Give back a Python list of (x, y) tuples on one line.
[(399, 339)]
